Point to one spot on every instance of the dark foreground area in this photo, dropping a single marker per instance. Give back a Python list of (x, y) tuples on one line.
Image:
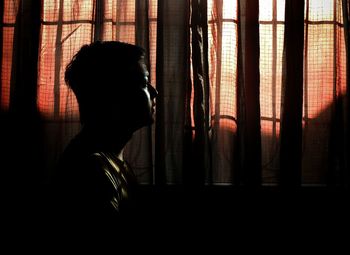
[(209, 215)]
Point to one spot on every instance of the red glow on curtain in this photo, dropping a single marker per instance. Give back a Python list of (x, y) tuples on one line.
[(222, 35), (324, 55), (271, 17), (66, 26), (9, 19)]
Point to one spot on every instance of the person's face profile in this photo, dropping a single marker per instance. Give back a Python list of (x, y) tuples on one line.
[(149, 92), (140, 97)]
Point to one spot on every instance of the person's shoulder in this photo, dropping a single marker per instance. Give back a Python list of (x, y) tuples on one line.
[(77, 167)]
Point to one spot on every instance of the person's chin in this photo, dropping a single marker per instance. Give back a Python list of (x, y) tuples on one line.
[(150, 121)]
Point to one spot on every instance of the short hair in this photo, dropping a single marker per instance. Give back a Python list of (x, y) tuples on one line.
[(101, 66)]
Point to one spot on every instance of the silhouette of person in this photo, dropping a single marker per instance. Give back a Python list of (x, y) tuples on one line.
[(94, 186)]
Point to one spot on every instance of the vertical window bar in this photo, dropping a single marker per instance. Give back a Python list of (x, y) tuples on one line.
[(274, 68)]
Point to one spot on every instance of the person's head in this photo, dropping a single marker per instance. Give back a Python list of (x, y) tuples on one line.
[(110, 81)]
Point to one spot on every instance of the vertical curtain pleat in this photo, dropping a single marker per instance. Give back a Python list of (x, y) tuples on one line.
[(248, 102), (222, 37), (25, 58), (292, 94), (346, 171), (335, 173), (172, 67), (159, 171), (99, 6), (188, 162), (58, 61), (201, 167), (142, 25), (336, 137), (25, 157), (2, 5)]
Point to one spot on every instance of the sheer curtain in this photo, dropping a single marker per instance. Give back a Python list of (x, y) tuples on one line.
[(250, 92), (324, 91)]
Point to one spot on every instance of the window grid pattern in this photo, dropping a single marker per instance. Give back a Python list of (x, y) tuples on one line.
[(223, 49), (324, 83), (222, 36), (66, 26), (271, 19), (8, 27)]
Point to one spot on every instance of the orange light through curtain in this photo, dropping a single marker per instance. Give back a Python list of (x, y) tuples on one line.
[(64, 33), (9, 19), (271, 19), (222, 35), (66, 26), (324, 83), (325, 56)]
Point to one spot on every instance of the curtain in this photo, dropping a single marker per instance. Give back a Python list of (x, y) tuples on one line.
[(344, 115), (292, 95), (324, 90), (20, 123), (251, 93)]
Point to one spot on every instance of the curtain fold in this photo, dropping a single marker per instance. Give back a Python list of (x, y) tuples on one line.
[(99, 12), (2, 5), (25, 58), (346, 115), (248, 102), (58, 61), (292, 94), (222, 59), (172, 67), (337, 141), (142, 25), (323, 94), (22, 134), (199, 171)]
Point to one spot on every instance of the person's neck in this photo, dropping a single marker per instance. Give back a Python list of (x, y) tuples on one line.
[(106, 139)]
